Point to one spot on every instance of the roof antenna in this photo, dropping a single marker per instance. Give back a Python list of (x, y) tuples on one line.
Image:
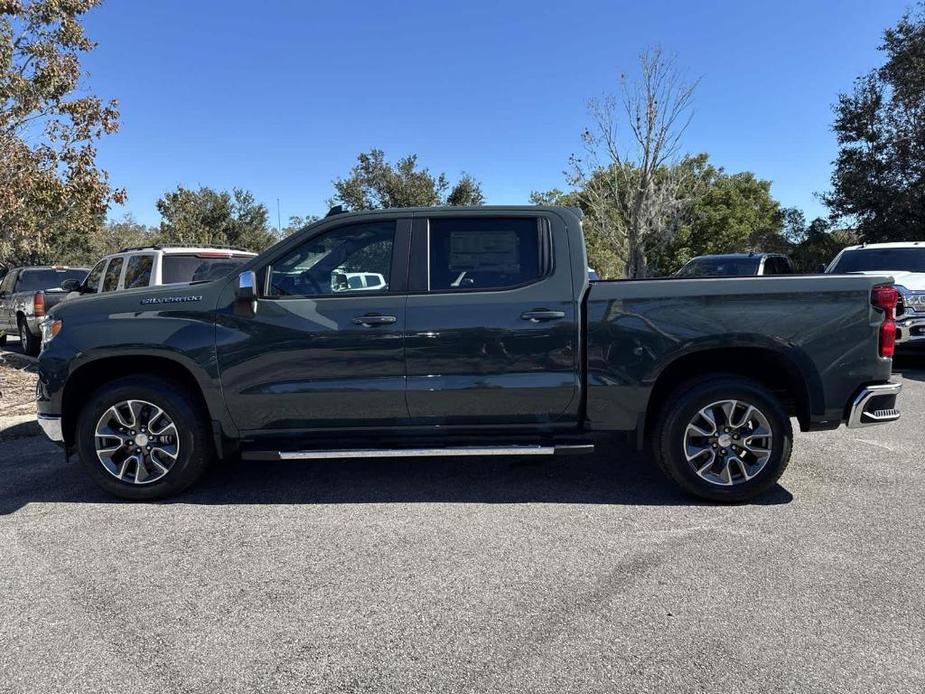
[(337, 209)]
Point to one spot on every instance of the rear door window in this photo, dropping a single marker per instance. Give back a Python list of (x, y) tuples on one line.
[(138, 271), (486, 253), (111, 278)]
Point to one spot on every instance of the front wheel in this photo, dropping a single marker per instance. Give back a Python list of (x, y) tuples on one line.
[(723, 438), (143, 439)]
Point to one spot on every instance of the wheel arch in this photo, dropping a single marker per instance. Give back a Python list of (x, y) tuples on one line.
[(91, 375), (789, 377)]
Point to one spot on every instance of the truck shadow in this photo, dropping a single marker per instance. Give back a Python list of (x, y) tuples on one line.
[(911, 366), (623, 477)]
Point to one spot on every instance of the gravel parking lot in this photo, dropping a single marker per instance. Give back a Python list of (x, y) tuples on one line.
[(575, 574)]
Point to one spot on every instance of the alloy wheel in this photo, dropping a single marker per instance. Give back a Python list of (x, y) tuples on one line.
[(136, 442), (728, 442)]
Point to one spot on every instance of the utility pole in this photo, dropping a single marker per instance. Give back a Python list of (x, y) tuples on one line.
[(279, 219)]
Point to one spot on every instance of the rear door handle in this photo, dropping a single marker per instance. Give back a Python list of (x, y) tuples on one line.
[(542, 314), (374, 319)]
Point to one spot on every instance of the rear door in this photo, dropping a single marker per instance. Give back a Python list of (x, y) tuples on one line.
[(319, 353), (493, 328)]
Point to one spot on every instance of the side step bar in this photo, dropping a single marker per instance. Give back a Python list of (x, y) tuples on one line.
[(480, 451)]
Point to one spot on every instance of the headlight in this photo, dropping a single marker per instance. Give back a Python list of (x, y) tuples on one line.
[(50, 328)]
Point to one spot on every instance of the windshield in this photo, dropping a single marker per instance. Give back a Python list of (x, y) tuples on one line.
[(193, 268), (33, 280), (719, 267), (877, 259)]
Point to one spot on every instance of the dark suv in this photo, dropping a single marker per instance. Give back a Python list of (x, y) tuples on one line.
[(737, 265)]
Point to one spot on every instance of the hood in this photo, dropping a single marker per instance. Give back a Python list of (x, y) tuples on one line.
[(913, 281)]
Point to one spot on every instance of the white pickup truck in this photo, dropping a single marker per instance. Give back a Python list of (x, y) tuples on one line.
[(905, 261)]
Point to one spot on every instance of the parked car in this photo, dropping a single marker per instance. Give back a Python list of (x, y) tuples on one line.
[(154, 265), (737, 265), (528, 358), (26, 293), (905, 263)]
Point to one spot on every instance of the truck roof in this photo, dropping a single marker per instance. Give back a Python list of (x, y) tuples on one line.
[(891, 244), (185, 249)]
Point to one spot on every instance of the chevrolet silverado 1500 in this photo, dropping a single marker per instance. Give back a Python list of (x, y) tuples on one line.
[(484, 337)]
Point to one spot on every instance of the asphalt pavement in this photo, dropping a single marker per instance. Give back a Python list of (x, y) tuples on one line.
[(586, 574)]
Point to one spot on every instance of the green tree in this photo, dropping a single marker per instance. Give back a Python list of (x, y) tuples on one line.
[(724, 213), (297, 223), (118, 234), (731, 213), (207, 217), (815, 244), (879, 178), (52, 195), (375, 183)]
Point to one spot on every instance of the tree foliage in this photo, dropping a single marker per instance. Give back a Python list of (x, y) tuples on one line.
[(629, 178), (207, 217), (879, 177), (375, 183), (52, 195), (724, 213)]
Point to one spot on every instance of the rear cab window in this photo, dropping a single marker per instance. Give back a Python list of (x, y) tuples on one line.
[(485, 253), (46, 278)]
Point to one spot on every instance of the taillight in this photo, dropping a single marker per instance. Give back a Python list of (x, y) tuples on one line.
[(885, 298), (38, 305)]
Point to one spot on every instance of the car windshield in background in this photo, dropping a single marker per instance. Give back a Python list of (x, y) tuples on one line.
[(720, 267), (33, 280), (875, 259), (195, 268)]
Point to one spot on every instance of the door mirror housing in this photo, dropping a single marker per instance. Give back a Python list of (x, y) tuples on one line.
[(821, 268), (247, 286), (71, 285)]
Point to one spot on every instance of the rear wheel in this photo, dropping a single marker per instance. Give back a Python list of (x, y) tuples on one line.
[(31, 345), (723, 438), (143, 439)]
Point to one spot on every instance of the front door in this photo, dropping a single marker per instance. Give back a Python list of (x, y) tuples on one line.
[(324, 348), (492, 333)]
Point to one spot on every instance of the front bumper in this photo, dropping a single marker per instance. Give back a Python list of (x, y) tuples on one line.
[(874, 404), (51, 425)]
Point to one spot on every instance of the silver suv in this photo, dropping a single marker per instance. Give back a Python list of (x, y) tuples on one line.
[(149, 266)]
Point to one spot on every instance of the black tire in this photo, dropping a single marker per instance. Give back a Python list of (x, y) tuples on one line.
[(3, 340), (31, 344), (193, 437), (682, 407)]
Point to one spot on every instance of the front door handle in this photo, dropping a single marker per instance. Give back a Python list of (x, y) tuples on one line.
[(541, 314), (374, 319)]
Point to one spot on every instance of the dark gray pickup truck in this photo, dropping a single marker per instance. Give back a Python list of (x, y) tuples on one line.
[(461, 332)]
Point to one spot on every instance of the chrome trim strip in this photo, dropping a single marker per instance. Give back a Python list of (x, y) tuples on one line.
[(905, 325), (416, 452), (52, 427), (862, 399)]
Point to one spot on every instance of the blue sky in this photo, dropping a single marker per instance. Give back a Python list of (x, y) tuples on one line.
[(279, 97)]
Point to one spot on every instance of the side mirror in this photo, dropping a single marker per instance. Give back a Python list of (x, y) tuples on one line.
[(247, 286), (71, 285), (821, 268)]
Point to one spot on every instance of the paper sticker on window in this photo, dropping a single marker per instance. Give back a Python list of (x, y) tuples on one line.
[(490, 251)]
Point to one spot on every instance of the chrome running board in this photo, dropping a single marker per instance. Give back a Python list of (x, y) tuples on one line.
[(452, 452)]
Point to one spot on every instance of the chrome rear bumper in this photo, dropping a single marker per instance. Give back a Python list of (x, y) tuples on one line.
[(875, 404)]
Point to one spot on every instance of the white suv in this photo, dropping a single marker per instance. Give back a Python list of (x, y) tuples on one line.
[(153, 265), (905, 262)]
